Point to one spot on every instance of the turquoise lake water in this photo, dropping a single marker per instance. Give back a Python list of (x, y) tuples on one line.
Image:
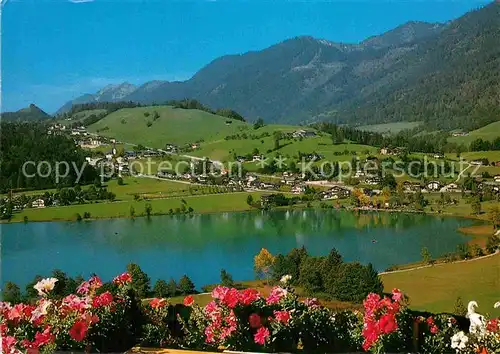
[(201, 245)]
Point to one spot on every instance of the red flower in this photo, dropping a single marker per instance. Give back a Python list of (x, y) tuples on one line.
[(123, 279), (493, 325), (44, 338), (434, 329), (430, 321), (282, 316), (188, 300), (254, 321), (248, 296), (158, 303), (104, 299), (95, 282), (79, 330), (387, 323), (261, 336)]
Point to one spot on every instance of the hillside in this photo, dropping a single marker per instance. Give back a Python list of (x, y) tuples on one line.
[(174, 126), (489, 132), (30, 113), (443, 74)]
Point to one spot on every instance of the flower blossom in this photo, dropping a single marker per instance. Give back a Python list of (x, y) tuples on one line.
[(123, 279), (188, 300), (105, 299), (285, 278), (261, 336), (44, 286), (79, 330), (248, 296), (276, 295), (282, 316), (254, 320), (157, 303), (459, 341)]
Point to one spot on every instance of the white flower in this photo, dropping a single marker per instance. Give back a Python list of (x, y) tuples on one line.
[(497, 304), (45, 285), (459, 341), (41, 309), (285, 278)]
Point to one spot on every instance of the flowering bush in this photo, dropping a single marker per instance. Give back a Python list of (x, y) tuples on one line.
[(109, 318), (387, 324), (436, 333), (78, 321)]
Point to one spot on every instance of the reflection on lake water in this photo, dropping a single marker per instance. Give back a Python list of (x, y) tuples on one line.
[(201, 245)]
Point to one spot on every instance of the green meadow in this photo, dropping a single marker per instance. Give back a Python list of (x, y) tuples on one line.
[(389, 128), (488, 132), (174, 125)]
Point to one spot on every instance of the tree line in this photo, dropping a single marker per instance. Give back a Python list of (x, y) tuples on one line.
[(23, 142)]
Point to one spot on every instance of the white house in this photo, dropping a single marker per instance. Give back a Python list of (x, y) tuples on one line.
[(433, 185), (496, 178), (39, 203)]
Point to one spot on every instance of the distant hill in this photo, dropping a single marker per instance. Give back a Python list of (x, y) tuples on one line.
[(172, 125), (30, 113), (445, 75)]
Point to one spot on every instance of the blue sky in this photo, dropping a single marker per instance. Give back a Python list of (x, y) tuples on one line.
[(53, 51)]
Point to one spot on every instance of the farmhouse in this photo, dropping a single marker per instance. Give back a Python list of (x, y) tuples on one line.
[(303, 133), (38, 203), (452, 187), (496, 178), (433, 185), (335, 193)]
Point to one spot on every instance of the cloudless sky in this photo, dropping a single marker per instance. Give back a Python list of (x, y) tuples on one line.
[(54, 51)]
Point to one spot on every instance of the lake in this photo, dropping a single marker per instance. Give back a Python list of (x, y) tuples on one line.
[(201, 245)]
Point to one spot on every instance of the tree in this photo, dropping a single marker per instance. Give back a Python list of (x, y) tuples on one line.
[(258, 124), (140, 280), (476, 206), (173, 289), (494, 216), (426, 255), (492, 243), (132, 211), (311, 274), (263, 262), (161, 289), (11, 293), (120, 181), (148, 209), (186, 286), (226, 279), (459, 309), (250, 200), (277, 135)]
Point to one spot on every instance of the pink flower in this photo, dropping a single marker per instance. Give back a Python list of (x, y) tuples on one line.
[(434, 329), (74, 303), (219, 292), (104, 299), (254, 321), (397, 295), (123, 279), (282, 316), (261, 336), (188, 300), (248, 296), (84, 288), (8, 345), (311, 302), (157, 303), (276, 295), (209, 334), (43, 338), (79, 330)]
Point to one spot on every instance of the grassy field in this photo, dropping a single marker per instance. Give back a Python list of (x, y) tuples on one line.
[(176, 126), (489, 132), (82, 115), (474, 155), (200, 204), (389, 128), (436, 288)]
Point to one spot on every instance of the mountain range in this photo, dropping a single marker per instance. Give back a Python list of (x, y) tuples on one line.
[(446, 75)]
